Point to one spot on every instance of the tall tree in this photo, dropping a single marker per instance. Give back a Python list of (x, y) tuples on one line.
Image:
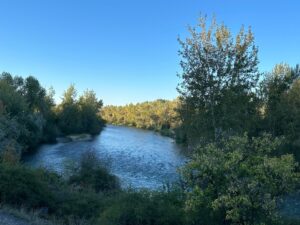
[(79, 115), (275, 91), (68, 112), (90, 108), (219, 76)]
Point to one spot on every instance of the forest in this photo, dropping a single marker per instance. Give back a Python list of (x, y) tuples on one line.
[(160, 115), (242, 128)]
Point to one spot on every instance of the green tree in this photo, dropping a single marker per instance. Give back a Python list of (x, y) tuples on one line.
[(281, 90), (16, 114), (275, 86), (219, 77), (68, 112), (27, 103), (90, 107), (79, 115)]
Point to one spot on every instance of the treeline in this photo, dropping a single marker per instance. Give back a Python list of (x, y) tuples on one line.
[(160, 115), (270, 106), (29, 116)]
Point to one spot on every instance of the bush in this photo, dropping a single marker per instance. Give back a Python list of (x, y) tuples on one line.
[(239, 181), (38, 188), (144, 208), (90, 174), (98, 200), (24, 186)]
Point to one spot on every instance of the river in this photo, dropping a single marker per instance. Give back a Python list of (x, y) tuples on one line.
[(140, 158)]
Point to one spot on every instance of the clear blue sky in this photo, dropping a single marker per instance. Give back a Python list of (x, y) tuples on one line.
[(126, 50)]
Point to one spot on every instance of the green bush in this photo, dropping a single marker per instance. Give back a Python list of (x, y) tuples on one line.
[(239, 181), (90, 174), (79, 197), (143, 208), (24, 186)]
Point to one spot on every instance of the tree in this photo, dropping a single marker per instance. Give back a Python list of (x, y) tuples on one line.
[(79, 115), (68, 112), (17, 120), (90, 107), (275, 85), (239, 181), (280, 96), (219, 77), (69, 96), (34, 94)]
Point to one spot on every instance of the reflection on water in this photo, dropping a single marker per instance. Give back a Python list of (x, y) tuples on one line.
[(141, 159)]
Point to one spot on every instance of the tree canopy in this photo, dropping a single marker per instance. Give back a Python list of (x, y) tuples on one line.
[(219, 77), (29, 116)]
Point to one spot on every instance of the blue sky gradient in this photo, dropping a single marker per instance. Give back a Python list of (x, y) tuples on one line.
[(127, 51)]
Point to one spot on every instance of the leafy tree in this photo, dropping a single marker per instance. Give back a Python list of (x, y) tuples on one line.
[(239, 181), (79, 115), (68, 112), (219, 77), (26, 103), (90, 107), (12, 100), (281, 104), (275, 85), (291, 111), (34, 94)]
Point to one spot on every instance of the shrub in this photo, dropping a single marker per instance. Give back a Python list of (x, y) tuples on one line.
[(23, 186), (90, 174), (239, 181), (143, 208)]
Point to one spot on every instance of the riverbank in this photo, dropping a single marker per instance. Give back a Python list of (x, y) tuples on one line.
[(74, 137), (164, 132)]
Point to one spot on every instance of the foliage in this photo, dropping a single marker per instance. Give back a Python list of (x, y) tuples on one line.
[(25, 112), (239, 181), (20, 186), (79, 116), (144, 207), (281, 104), (28, 115), (159, 115), (40, 190), (90, 174), (219, 76)]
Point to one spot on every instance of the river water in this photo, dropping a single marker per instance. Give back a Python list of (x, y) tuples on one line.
[(140, 158)]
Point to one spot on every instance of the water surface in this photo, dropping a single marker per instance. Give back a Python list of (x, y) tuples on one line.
[(140, 158)]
